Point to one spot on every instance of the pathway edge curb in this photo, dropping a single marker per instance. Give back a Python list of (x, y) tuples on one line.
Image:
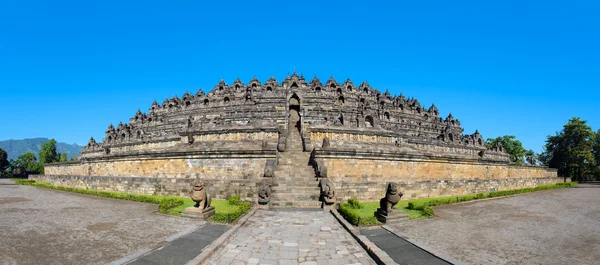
[(144, 251), (215, 245), (422, 246), (380, 256)]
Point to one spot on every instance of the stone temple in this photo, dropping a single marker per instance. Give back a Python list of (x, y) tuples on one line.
[(282, 139)]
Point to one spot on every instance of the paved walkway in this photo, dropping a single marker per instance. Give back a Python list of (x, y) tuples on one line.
[(400, 250), (546, 227), (42, 226), (291, 237), (184, 249)]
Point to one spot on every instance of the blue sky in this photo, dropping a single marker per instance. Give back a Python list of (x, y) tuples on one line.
[(69, 69)]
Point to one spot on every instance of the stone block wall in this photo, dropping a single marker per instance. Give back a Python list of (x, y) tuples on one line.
[(174, 167), (366, 179), (247, 189), (373, 191)]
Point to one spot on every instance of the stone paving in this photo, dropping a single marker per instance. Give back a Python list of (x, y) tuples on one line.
[(546, 227), (42, 226), (291, 237)]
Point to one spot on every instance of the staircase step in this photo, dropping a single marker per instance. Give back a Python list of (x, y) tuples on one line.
[(295, 204)]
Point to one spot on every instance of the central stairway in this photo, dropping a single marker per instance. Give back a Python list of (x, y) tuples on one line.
[(295, 182)]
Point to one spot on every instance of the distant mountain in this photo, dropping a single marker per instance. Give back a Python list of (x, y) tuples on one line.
[(15, 148)]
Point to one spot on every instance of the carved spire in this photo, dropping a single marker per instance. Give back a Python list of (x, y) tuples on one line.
[(315, 82), (348, 85), (271, 84), (433, 109), (331, 83), (221, 86), (200, 93), (238, 84), (254, 82)]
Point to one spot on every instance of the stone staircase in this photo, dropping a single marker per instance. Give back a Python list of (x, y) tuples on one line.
[(295, 183)]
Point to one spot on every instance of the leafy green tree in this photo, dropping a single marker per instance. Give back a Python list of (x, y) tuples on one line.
[(48, 152), (596, 152), (63, 157), (513, 147), (570, 150), (4, 164), (29, 162)]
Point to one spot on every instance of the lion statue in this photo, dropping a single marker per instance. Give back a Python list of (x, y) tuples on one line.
[(392, 197), (199, 195)]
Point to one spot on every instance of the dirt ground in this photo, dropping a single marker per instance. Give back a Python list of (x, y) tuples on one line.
[(41, 226), (547, 227)]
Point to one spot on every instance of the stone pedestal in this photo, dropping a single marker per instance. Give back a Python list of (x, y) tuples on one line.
[(388, 217), (193, 212), (263, 205)]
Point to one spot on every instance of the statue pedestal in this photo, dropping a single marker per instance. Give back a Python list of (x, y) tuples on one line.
[(263, 205), (193, 212), (389, 217)]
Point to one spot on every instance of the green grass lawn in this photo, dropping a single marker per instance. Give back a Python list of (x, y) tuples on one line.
[(225, 211), (367, 210), (221, 207), (421, 208)]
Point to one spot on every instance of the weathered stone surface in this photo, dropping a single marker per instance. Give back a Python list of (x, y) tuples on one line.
[(358, 138), (387, 203), (199, 195), (198, 213)]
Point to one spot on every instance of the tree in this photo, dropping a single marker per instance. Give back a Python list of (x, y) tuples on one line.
[(4, 164), (570, 150), (596, 152), (513, 147), (29, 162), (48, 152), (63, 157)]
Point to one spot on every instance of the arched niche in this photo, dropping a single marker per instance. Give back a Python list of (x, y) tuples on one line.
[(294, 120), (369, 122)]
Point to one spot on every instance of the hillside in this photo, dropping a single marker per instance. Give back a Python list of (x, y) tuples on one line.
[(15, 148)]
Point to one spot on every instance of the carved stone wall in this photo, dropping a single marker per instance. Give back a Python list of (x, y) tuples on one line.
[(241, 116), (176, 167), (226, 136)]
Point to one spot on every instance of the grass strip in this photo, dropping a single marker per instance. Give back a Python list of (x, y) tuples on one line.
[(422, 208), (165, 203), (226, 211)]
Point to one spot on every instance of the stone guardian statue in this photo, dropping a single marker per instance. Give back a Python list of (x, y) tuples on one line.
[(202, 208)]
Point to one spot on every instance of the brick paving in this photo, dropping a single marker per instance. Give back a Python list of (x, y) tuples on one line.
[(291, 237)]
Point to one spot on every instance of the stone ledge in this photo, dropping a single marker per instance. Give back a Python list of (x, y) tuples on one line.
[(337, 153), (199, 154), (380, 256)]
